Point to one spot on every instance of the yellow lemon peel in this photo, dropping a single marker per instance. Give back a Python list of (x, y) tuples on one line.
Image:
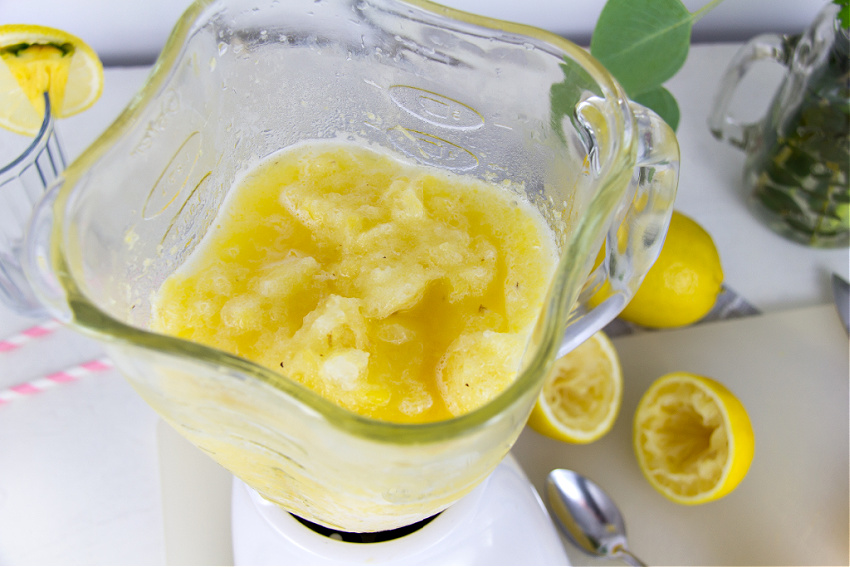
[(37, 59), (582, 393), (693, 438), (683, 284)]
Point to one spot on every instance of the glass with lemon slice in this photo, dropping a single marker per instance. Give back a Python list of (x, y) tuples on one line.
[(31, 164), (45, 74)]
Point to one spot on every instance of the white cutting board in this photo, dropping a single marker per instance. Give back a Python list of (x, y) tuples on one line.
[(791, 370)]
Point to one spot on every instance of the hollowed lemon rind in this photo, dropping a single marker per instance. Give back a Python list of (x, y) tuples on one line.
[(736, 426), (555, 423)]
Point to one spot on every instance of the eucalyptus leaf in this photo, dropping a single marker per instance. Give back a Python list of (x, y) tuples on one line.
[(843, 12), (642, 42), (663, 103), (565, 95), (778, 200)]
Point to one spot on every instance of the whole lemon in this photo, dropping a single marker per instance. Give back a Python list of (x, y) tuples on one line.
[(683, 284)]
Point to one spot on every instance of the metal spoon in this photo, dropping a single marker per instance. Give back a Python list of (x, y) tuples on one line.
[(588, 516)]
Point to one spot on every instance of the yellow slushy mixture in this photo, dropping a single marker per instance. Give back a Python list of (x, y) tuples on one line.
[(399, 292)]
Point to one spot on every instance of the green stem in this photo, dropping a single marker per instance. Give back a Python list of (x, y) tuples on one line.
[(816, 230), (704, 10)]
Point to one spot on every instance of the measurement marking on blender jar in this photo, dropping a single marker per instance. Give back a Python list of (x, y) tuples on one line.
[(431, 150), (180, 228), (435, 108), (173, 178), (170, 105)]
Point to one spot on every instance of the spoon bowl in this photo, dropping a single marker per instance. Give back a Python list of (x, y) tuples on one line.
[(587, 516)]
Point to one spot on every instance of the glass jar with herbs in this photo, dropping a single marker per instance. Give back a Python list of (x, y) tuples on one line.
[(798, 155)]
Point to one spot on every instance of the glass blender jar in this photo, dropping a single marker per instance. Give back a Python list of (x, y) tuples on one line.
[(241, 79)]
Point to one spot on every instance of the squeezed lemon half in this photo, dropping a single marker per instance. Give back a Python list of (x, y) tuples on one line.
[(37, 59), (582, 393), (693, 438)]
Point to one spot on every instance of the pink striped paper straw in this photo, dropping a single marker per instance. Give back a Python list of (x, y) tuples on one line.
[(41, 384), (27, 335)]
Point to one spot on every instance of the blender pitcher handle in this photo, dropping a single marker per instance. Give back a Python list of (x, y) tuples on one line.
[(722, 125), (632, 244)]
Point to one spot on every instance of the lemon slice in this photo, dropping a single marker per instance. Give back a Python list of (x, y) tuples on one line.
[(39, 59), (693, 438), (582, 393)]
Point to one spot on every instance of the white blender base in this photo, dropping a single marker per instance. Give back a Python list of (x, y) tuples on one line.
[(501, 522)]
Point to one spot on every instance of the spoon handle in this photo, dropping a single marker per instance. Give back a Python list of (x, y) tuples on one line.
[(629, 558)]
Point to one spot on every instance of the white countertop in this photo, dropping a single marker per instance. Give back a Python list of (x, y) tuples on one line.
[(81, 480)]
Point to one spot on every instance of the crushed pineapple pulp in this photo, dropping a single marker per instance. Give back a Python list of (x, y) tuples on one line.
[(399, 292)]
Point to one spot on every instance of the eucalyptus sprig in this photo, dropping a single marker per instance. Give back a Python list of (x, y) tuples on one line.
[(643, 43), (843, 12)]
